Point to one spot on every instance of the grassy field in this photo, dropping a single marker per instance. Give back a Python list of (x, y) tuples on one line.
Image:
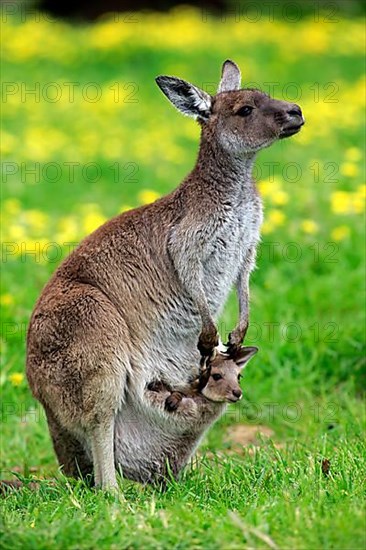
[(88, 134)]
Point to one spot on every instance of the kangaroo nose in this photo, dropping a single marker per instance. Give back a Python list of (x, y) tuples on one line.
[(295, 111), (237, 393)]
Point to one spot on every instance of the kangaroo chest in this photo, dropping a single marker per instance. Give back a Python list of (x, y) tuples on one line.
[(229, 245), (233, 242)]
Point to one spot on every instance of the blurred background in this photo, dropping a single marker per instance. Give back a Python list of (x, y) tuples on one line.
[(87, 134), (92, 9)]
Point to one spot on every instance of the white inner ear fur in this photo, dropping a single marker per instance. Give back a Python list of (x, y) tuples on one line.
[(221, 347), (202, 101), (230, 78)]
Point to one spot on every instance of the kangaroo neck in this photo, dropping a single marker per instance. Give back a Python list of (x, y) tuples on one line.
[(224, 174)]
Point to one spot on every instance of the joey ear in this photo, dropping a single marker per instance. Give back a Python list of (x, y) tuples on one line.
[(188, 99), (230, 77), (243, 355), (204, 378)]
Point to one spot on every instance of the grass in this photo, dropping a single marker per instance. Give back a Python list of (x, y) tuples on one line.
[(269, 499), (307, 383)]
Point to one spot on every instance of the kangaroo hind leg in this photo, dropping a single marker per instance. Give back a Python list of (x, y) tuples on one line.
[(71, 453)]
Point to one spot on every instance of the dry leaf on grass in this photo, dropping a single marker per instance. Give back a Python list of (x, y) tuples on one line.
[(242, 435)]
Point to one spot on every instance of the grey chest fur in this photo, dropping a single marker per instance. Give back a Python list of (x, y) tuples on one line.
[(232, 243)]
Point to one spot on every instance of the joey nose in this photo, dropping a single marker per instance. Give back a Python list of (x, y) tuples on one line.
[(237, 393)]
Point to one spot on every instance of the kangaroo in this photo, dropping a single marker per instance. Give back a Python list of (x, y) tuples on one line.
[(129, 304)]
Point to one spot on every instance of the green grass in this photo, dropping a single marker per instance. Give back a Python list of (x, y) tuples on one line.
[(306, 384), (227, 503)]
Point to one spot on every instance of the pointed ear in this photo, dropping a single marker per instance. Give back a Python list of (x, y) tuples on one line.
[(230, 77), (185, 97), (204, 377), (243, 355)]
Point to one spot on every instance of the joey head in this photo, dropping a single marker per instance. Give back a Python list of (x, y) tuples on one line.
[(219, 380)]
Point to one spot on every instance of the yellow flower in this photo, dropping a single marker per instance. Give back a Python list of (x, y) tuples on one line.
[(125, 208), (273, 219), (349, 169), (148, 195), (276, 217), (12, 206), (16, 378), (270, 189), (358, 203), (8, 144), (16, 232), (340, 202), (315, 38), (280, 198), (68, 230), (6, 299), (344, 202), (340, 233), (309, 226), (267, 228), (109, 34), (36, 219), (92, 221), (265, 188), (353, 154)]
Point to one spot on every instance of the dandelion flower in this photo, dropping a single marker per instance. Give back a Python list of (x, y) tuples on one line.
[(280, 198), (16, 378), (6, 300), (16, 232), (92, 221), (12, 206), (68, 230), (340, 201), (344, 202), (146, 196), (276, 217), (340, 233), (270, 189), (36, 219), (357, 203), (267, 228), (309, 226), (349, 169), (353, 154)]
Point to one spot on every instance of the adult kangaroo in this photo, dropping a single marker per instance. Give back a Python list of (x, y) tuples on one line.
[(133, 299)]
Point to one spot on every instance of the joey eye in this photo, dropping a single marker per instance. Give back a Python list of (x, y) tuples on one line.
[(245, 111), (239, 377), (217, 376)]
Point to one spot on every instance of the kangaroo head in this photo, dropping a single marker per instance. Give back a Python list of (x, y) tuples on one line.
[(242, 121), (223, 375)]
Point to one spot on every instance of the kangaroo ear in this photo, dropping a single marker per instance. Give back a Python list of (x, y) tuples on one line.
[(230, 77), (243, 355), (204, 377), (187, 98)]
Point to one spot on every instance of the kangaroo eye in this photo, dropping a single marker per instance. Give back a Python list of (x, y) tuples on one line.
[(239, 376), (245, 111), (217, 376)]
